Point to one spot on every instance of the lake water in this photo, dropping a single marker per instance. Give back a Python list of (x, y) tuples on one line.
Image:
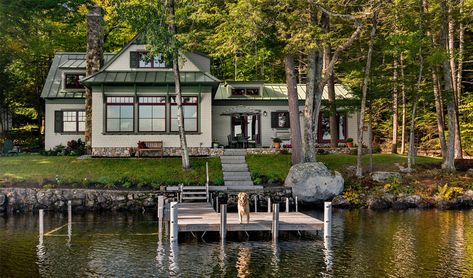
[(413, 243)]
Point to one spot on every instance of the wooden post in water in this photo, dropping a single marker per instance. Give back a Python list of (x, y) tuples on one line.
[(297, 205), (181, 190), (287, 204), (69, 220), (275, 223), (173, 225), (223, 222), (160, 214), (41, 223), (216, 202), (269, 204), (327, 219), (256, 203), (207, 180)]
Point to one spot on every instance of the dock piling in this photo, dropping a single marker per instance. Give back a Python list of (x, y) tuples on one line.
[(69, 220), (256, 203), (327, 219), (174, 228), (216, 202), (207, 180), (287, 204), (160, 214), (223, 222), (297, 205), (275, 223), (41, 223), (269, 204)]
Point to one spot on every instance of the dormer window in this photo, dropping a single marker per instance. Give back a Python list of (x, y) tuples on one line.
[(245, 91), (145, 61), (72, 81)]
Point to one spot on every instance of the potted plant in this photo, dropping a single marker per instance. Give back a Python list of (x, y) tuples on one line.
[(277, 143), (350, 142)]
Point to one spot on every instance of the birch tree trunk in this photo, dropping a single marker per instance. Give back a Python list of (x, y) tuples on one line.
[(291, 83), (370, 138), (404, 107), (453, 73), (395, 108), (177, 85), (315, 85), (449, 163), (412, 148), (333, 123), (359, 167), (439, 112)]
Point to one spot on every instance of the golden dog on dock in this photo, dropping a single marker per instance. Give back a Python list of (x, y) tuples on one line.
[(243, 207)]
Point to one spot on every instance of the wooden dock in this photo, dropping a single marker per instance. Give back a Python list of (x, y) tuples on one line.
[(201, 217)]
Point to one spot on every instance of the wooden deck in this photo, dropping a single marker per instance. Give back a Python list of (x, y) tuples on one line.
[(201, 217)]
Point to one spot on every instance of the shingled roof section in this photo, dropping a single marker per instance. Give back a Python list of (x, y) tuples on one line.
[(65, 61)]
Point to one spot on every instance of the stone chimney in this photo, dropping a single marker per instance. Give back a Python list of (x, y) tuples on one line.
[(93, 63)]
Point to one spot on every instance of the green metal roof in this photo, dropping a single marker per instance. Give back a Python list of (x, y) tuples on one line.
[(148, 77), (65, 61), (272, 91)]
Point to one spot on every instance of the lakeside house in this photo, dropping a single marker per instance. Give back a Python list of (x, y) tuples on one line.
[(133, 100)]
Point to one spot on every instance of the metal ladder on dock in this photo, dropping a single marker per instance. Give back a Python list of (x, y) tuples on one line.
[(195, 193)]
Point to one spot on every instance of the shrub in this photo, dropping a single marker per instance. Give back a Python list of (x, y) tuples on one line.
[(277, 140), (352, 196), (350, 140), (447, 193)]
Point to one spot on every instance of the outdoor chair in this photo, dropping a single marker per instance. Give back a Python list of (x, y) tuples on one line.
[(232, 142), (9, 148), (242, 140)]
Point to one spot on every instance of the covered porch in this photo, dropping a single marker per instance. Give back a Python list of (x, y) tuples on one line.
[(245, 127)]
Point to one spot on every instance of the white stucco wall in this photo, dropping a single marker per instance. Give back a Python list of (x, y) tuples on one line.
[(123, 62), (53, 139), (100, 139), (222, 124)]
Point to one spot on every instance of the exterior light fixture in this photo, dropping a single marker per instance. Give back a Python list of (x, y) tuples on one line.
[(265, 113)]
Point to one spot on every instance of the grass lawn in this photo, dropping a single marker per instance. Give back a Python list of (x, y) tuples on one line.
[(277, 166), (106, 172)]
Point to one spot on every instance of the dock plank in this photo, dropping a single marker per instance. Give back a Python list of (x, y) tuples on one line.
[(200, 217)]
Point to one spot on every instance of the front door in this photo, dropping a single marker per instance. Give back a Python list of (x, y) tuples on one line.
[(247, 126)]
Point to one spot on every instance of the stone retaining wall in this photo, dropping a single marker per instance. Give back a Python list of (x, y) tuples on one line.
[(29, 199)]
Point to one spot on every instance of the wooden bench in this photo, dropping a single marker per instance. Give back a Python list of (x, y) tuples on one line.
[(150, 146)]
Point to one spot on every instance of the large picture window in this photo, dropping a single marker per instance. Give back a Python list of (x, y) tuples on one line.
[(72, 81), (152, 114), (245, 92), (73, 121), (120, 114), (190, 108)]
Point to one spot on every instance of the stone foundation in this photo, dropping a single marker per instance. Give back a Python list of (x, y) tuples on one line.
[(198, 151), (169, 151)]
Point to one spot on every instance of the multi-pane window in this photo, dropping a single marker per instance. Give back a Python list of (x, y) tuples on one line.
[(245, 92), (73, 121), (146, 61), (119, 114), (152, 114), (72, 80), (324, 127), (190, 108)]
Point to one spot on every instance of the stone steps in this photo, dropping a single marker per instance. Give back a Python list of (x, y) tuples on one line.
[(235, 167), (236, 175)]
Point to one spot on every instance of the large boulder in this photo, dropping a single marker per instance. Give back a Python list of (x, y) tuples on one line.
[(313, 183), (381, 176)]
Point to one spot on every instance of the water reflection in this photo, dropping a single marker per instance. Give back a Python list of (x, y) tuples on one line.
[(364, 244)]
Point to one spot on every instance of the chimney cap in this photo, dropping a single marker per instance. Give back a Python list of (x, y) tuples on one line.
[(95, 10)]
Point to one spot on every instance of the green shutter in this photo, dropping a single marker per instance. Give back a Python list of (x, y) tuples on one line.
[(274, 120), (134, 59), (58, 122)]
